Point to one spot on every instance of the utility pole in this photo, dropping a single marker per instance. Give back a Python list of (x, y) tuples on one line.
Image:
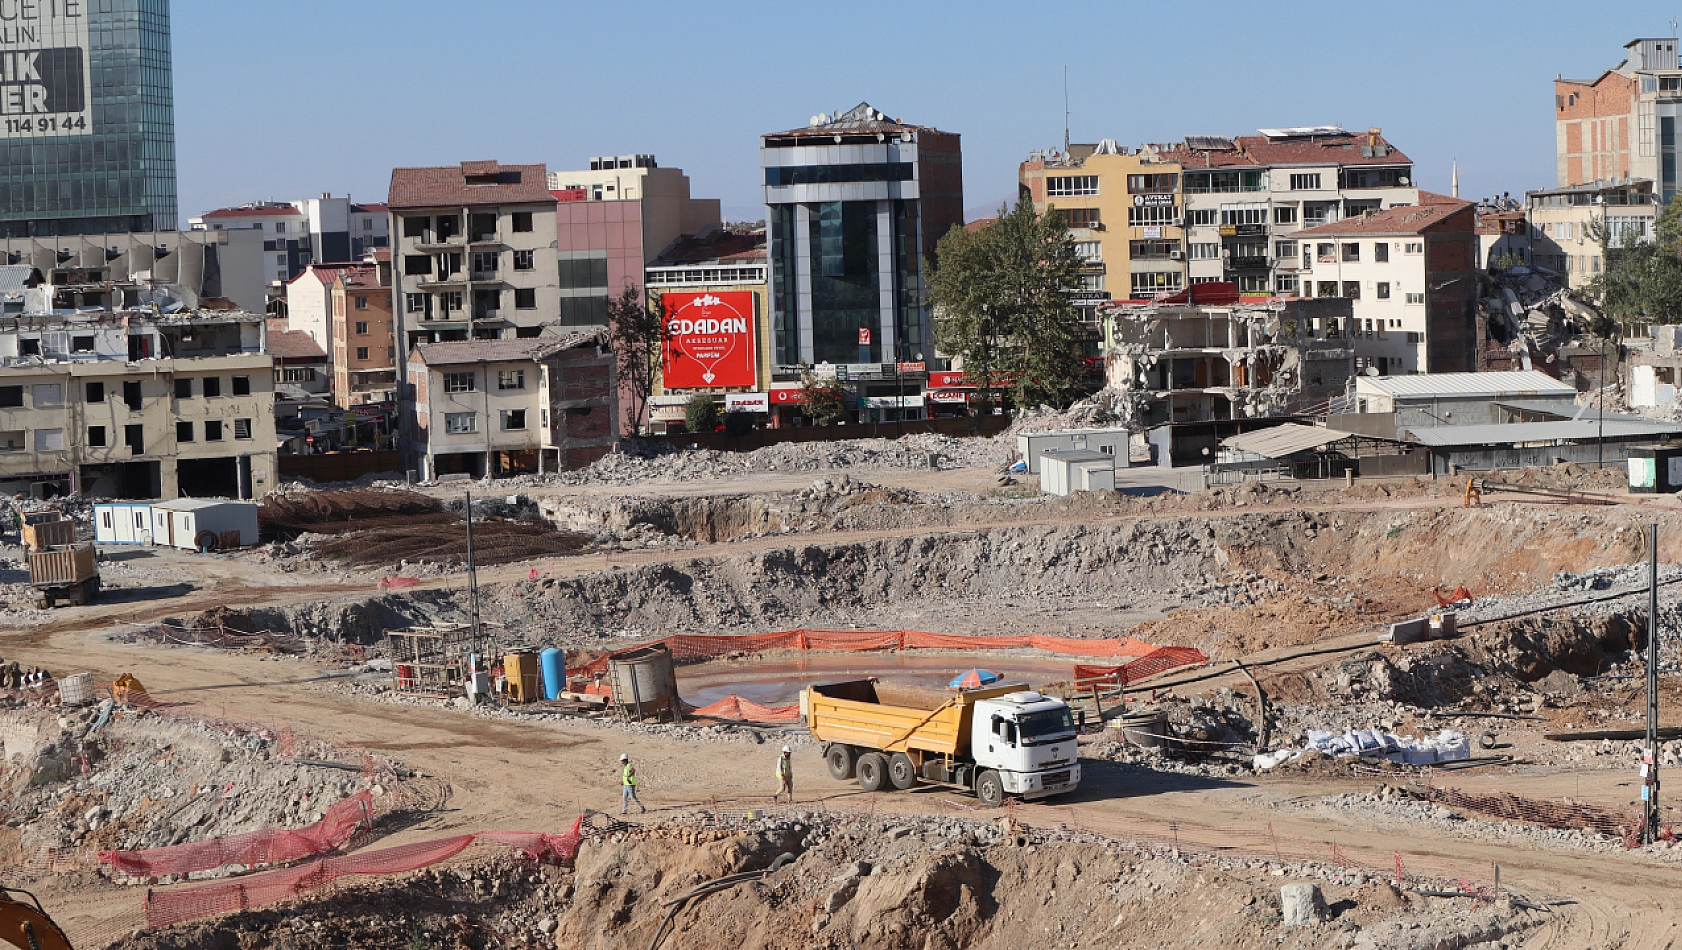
[(1650, 767), (472, 586)]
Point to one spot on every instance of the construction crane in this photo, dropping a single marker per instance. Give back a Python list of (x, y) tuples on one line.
[(1475, 487), (26, 926)]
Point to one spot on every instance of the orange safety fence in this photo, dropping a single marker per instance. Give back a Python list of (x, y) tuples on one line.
[(168, 908), (688, 646), (1152, 663), (266, 846)]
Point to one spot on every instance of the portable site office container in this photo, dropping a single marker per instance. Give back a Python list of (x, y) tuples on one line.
[(1070, 470), (1111, 442), (122, 523), (199, 524)]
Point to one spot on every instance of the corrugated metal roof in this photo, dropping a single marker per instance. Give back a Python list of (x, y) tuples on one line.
[(1490, 385), (1276, 442), (1580, 430), (14, 277), (1569, 410)]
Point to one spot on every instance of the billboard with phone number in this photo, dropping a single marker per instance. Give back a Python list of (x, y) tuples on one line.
[(44, 69), (709, 340)]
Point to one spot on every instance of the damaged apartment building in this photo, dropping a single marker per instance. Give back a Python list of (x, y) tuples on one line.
[(132, 403), (1202, 355)]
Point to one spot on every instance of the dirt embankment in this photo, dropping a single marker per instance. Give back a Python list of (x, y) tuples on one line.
[(858, 885)]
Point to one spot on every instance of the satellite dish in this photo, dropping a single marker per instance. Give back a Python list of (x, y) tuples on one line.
[(1371, 371), (1405, 180)]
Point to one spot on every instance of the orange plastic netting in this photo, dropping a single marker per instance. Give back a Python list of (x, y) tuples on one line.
[(168, 908), (1157, 661), (688, 646), (268, 846)]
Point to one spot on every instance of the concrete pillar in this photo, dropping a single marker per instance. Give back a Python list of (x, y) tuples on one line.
[(1301, 904)]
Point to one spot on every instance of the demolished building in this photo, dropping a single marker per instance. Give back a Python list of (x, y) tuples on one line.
[(1528, 319), (1204, 356)]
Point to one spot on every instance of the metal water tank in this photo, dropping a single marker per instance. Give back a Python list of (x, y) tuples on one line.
[(644, 681)]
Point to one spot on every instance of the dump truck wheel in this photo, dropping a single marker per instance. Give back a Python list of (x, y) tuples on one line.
[(902, 771), (841, 761), (90, 590), (205, 541), (990, 789), (872, 771)]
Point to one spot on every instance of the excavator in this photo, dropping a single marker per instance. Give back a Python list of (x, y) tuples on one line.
[(25, 925)]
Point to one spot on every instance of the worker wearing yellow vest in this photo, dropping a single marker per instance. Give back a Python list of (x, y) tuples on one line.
[(628, 786), (785, 777)]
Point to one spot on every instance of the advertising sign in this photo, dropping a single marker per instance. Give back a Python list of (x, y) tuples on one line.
[(44, 72), (947, 397), (1152, 201), (709, 340), (864, 336), (747, 402), (788, 397)]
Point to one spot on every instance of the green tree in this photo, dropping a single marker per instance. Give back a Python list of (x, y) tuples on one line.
[(1641, 282), (636, 331), (825, 397), (700, 413), (1000, 294), (737, 423)]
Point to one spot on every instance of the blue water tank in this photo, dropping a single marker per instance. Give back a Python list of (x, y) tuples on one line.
[(554, 666)]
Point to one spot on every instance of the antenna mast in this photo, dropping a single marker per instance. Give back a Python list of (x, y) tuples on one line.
[(1065, 113)]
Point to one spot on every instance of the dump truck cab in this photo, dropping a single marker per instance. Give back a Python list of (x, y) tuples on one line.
[(1029, 739)]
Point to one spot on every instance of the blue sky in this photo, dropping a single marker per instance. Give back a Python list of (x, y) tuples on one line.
[(288, 100)]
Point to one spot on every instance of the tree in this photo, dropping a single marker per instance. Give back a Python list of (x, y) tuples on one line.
[(1001, 299), (637, 332), (737, 423), (1641, 281), (825, 397), (700, 413)]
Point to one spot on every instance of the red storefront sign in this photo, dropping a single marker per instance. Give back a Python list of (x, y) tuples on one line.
[(788, 397), (864, 336), (709, 340), (946, 380), (947, 397)]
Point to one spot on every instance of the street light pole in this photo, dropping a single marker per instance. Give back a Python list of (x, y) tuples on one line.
[(1650, 767)]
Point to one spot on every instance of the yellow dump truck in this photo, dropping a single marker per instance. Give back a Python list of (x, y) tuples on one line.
[(43, 530), (68, 572), (998, 741)]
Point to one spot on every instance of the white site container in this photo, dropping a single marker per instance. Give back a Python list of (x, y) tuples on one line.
[(189, 522), (122, 523)]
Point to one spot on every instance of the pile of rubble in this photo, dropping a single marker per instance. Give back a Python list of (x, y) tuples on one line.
[(108, 778), (1532, 313), (637, 462)]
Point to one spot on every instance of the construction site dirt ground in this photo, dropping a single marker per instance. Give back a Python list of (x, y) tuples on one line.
[(1240, 573)]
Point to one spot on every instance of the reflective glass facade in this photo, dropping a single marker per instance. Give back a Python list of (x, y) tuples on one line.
[(120, 176)]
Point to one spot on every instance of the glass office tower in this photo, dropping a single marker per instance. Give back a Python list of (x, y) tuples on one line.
[(87, 118), (854, 207)]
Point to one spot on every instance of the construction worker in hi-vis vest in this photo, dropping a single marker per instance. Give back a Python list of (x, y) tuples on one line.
[(628, 786)]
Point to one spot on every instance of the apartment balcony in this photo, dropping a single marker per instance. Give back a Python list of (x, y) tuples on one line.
[(486, 313), (432, 281), (486, 238), (432, 243), (486, 277)]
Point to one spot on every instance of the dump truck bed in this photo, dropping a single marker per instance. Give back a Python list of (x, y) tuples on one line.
[(42, 533), (63, 566), (875, 715)]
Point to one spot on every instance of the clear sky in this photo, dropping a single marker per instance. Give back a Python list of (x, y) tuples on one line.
[(288, 100)]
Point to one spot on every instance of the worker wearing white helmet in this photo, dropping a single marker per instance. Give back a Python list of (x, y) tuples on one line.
[(628, 786), (785, 777)]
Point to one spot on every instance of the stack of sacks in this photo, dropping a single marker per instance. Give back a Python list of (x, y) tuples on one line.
[(1445, 746)]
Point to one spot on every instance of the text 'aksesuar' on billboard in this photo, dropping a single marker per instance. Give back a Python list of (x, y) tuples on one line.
[(44, 68)]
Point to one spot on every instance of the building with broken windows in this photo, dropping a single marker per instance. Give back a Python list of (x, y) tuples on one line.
[(1412, 278), (134, 403), (1247, 197), (1622, 124), (495, 408), (194, 268), (474, 253), (1568, 223), (1204, 356)]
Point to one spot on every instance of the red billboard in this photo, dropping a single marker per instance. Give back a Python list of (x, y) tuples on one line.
[(709, 340)]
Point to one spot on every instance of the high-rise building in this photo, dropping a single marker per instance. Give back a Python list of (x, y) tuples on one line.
[(855, 204), (87, 118), (1622, 124)]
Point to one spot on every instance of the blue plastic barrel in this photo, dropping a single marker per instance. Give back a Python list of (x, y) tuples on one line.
[(554, 666)]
